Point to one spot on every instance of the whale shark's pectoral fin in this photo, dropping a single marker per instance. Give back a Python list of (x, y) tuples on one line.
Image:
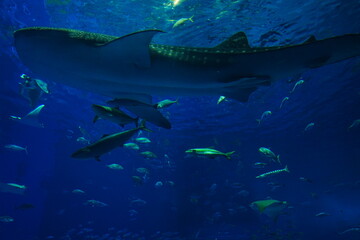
[(318, 62), (243, 86), (241, 94), (132, 48)]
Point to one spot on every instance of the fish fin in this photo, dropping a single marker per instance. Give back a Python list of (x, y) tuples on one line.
[(228, 155), (143, 127), (310, 39), (132, 48), (238, 41), (34, 113), (241, 95), (96, 118), (151, 115), (318, 62), (42, 85), (105, 135)]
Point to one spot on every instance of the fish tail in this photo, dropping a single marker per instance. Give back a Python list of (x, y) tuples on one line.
[(228, 155), (143, 127), (286, 169), (191, 19), (95, 118), (258, 121), (26, 150)]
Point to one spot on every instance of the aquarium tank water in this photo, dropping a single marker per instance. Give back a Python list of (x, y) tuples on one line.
[(180, 120)]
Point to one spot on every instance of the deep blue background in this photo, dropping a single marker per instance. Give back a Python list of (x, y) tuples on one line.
[(329, 154)]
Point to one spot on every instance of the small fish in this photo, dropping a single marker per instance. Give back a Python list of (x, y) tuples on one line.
[(273, 172), (270, 154), (322, 214), (142, 170), (260, 164), (78, 191), (84, 132), (270, 207), (350, 230), (25, 206), (309, 126), (138, 202), (143, 140), (264, 116), (6, 219), (355, 124), (16, 148), (166, 103), (209, 152), (170, 183), (12, 188), (221, 99), (83, 140), (133, 146), (95, 203), (182, 21), (283, 101), (148, 154), (137, 180), (297, 84), (115, 166), (158, 184), (132, 212)]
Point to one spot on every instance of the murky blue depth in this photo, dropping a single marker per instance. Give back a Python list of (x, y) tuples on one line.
[(171, 194)]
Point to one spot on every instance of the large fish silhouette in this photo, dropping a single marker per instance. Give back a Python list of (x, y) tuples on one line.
[(130, 67)]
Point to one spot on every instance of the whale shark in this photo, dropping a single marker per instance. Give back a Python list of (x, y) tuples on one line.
[(132, 67)]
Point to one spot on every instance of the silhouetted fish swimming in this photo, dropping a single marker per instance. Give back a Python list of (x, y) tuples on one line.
[(132, 68)]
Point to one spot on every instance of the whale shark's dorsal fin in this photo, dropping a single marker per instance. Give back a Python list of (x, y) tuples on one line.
[(133, 48), (238, 41), (310, 39)]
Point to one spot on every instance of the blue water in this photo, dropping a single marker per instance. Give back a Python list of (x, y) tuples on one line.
[(210, 198)]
